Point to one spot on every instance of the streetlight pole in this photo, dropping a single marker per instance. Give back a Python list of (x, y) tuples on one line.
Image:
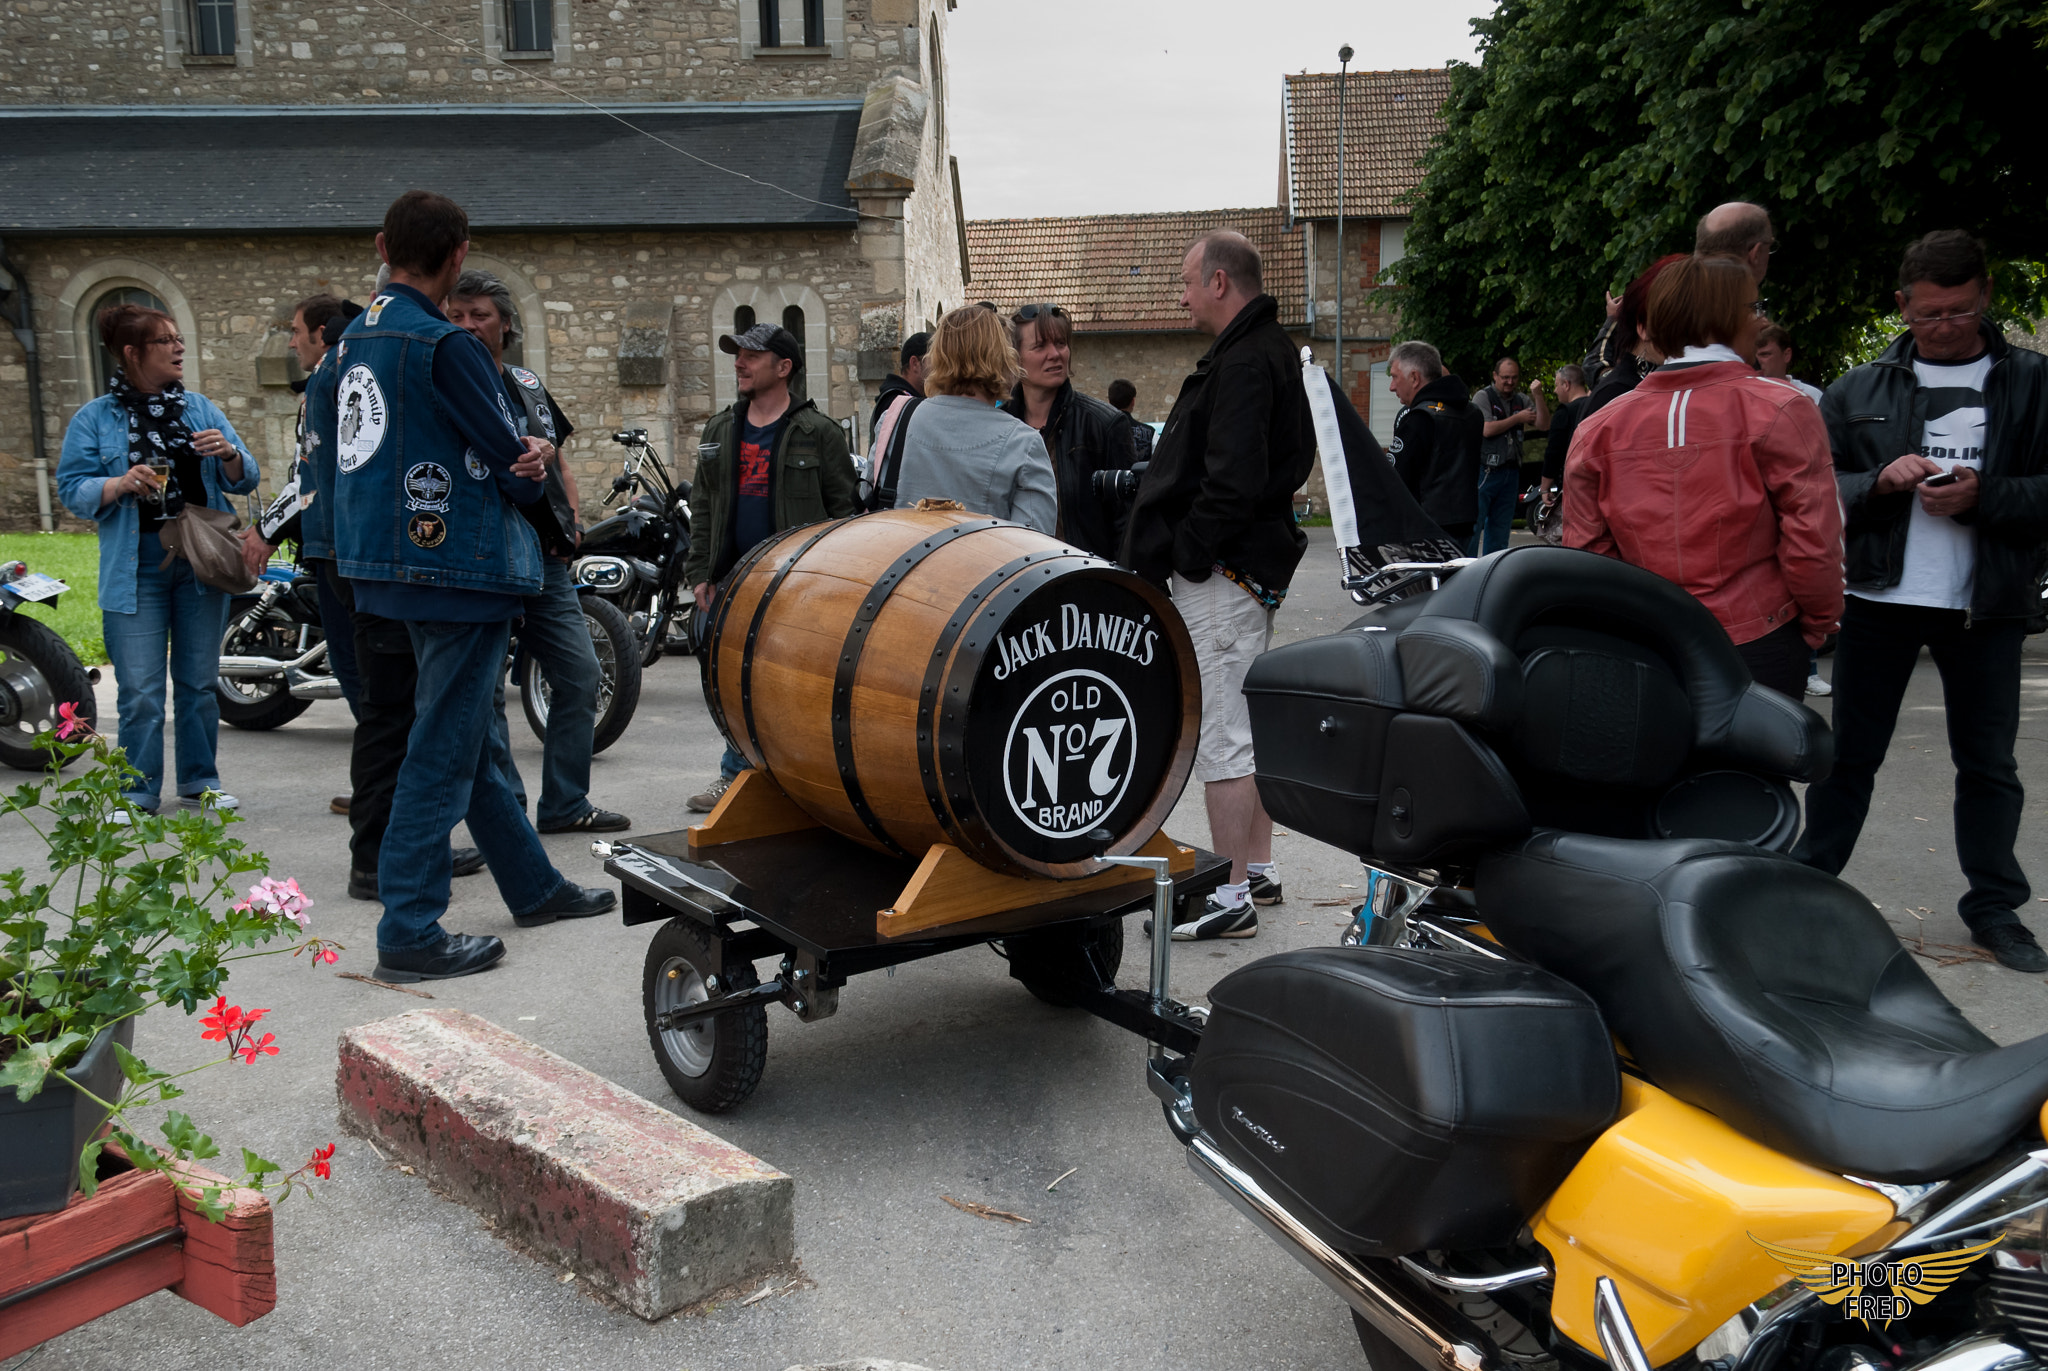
[(1343, 62)]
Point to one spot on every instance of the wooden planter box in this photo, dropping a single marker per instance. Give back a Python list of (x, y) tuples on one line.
[(139, 1234)]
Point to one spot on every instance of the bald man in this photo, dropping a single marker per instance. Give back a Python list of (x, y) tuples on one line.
[(1737, 229)]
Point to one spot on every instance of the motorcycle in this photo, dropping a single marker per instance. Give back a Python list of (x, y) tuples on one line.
[(1597, 1073), (274, 664), (634, 558), (39, 672)]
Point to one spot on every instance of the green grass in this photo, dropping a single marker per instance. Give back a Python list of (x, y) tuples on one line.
[(74, 559)]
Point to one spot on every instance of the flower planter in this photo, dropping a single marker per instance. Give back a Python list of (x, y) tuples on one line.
[(41, 1137), (141, 1233)]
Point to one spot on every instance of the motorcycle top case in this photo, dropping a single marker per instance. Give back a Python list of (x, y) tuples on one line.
[(1396, 1100)]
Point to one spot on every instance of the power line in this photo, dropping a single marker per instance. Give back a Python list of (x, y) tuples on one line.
[(532, 75)]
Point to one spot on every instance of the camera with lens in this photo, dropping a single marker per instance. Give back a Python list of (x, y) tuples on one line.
[(1119, 486)]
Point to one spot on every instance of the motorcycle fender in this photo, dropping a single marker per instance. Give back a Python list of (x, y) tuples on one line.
[(1665, 1203)]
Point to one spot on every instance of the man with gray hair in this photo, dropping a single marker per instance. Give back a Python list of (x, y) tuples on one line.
[(1436, 438), (1737, 229), (1213, 522), (554, 632)]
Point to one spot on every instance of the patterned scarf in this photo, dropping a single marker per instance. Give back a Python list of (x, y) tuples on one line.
[(156, 426)]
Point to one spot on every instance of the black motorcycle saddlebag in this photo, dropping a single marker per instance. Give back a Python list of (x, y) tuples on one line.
[(1398, 1100), (1320, 711)]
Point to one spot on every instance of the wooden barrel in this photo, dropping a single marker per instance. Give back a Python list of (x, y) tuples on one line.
[(925, 676)]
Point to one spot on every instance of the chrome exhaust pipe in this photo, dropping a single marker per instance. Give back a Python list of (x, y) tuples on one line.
[(1428, 1334), (256, 668)]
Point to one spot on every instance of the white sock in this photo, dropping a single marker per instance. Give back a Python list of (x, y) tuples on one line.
[(1260, 868), (1233, 896)]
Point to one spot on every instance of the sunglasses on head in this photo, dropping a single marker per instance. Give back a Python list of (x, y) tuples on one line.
[(1030, 312)]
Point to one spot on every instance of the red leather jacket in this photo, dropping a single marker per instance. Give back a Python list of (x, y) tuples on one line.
[(1720, 480)]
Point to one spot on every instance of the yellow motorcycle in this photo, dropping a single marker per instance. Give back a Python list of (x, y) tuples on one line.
[(1599, 1074)]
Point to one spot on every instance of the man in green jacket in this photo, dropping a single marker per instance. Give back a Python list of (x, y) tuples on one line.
[(765, 465)]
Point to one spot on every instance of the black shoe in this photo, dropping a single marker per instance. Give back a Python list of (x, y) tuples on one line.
[(468, 861), (572, 901), (1265, 890), (593, 821), (1219, 921), (2014, 946), (362, 885), (457, 954)]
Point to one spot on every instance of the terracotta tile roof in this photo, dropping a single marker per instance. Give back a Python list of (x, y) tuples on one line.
[(1389, 119), (1121, 272)]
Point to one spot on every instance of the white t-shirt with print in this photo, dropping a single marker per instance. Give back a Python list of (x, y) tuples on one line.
[(1941, 554)]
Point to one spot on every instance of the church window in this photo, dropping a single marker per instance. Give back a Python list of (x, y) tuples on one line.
[(529, 25), (212, 25)]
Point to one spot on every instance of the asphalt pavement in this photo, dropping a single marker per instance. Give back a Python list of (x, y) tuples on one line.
[(945, 1078)]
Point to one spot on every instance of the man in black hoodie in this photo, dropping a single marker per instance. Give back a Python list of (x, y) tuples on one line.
[(1214, 522), (1436, 437), (908, 379)]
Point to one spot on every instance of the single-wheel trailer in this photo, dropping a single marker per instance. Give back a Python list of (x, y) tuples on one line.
[(811, 898)]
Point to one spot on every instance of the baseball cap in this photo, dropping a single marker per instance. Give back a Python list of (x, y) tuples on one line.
[(765, 338)]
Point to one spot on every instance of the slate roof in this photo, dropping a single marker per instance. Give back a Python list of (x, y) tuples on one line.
[(304, 169), (1389, 119), (1120, 273)]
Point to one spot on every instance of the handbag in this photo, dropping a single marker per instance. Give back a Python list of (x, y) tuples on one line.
[(206, 538)]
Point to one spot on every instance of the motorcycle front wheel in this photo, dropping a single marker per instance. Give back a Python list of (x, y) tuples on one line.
[(38, 672), (618, 676), (266, 703)]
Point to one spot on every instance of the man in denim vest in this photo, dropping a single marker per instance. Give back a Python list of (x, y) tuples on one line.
[(428, 527)]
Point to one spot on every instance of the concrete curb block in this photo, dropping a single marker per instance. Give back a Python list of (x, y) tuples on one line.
[(647, 1207)]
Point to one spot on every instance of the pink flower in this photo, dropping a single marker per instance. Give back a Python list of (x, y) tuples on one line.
[(279, 899), (263, 1047), (328, 955), (69, 723)]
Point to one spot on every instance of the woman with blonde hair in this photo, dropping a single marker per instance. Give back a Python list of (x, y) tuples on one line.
[(957, 445), (1717, 478)]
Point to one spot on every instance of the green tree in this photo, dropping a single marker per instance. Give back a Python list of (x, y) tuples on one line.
[(1591, 136)]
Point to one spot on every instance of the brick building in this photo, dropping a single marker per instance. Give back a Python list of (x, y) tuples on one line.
[(1119, 274), (643, 176)]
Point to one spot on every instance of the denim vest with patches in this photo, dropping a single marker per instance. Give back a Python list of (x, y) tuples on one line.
[(412, 502)]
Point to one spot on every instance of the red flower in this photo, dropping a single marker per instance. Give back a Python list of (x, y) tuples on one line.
[(327, 954), (224, 1019), (69, 722), (261, 1048), (321, 1156)]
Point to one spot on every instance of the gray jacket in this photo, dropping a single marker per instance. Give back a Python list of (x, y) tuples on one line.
[(970, 451)]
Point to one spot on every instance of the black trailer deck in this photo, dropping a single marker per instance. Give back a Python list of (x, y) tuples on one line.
[(811, 898)]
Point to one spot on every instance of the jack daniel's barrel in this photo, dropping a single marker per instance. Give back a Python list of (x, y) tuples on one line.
[(923, 676)]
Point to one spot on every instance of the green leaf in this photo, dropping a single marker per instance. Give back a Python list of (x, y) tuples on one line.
[(208, 1203), (32, 1064), (185, 1138), (89, 1167), (134, 1068), (255, 1165)]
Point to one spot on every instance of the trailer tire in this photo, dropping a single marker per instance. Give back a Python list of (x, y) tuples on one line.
[(714, 1064), (1061, 965)]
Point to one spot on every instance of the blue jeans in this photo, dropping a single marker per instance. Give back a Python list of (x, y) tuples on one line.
[(179, 620), (1498, 487), (557, 636), (339, 629), (448, 775)]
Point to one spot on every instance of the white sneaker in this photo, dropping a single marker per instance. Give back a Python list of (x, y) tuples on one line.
[(211, 799), (1816, 684)]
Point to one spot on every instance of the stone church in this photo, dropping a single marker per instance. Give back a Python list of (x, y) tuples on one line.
[(644, 176)]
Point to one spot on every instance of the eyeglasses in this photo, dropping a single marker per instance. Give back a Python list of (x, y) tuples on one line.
[(1770, 247), (174, 341), (1030, 312), (1761, 308), (1968, 316)]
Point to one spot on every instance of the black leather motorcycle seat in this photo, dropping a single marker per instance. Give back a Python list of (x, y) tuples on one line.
[(1771, 995)]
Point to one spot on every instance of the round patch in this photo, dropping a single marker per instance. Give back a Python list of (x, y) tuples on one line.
[(1393, 447), (1067, 761), (525, 378), (547, 420), (426, 530), (474, 465), (363, 418), (427, 486)]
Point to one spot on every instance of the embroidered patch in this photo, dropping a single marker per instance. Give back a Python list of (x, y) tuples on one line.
[(475, 465), (1394, 446), (525, 378), (505, 413), (363, 418), (426, 530), (547, 420), (375, 311), (427, 486)]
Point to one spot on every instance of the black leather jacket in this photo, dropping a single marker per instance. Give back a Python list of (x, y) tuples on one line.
[(1083, 435), (1436, 451), (1237, 446), (1869, 415)]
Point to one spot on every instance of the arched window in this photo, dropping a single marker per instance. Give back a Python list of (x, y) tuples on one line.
[(103, 361), (742, 318), (938, 86), (793, 320)]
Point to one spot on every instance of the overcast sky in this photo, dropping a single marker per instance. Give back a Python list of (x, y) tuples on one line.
[(1117, 106)]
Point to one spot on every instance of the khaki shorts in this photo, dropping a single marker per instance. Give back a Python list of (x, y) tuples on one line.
[(1230, 628)]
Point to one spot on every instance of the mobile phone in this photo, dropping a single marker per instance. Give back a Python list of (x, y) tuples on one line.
[(1947, 478)]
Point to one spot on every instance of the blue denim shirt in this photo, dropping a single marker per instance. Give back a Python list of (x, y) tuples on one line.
[(96, 447)]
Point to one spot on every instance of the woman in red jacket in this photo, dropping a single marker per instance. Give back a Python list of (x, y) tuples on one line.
[(1717, 478)]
